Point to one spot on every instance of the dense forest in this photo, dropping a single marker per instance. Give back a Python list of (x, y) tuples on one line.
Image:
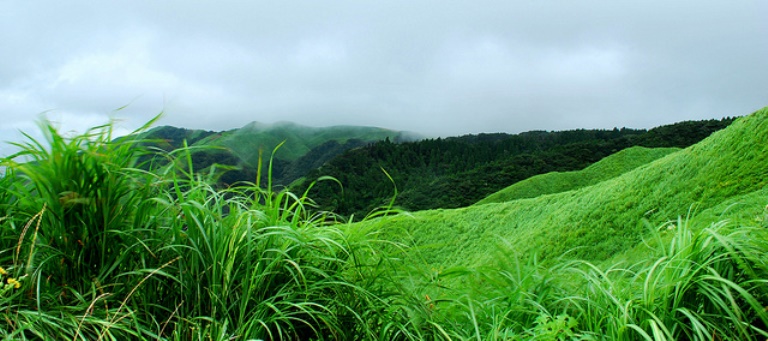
[(458, 171)]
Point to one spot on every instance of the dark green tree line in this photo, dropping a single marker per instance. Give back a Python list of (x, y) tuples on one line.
[(459, 171)]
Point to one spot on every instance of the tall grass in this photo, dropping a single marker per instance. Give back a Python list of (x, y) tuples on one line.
[(99, 242), (107, 249), (696, 284), (70, 231), (703, 285), (256, 262)]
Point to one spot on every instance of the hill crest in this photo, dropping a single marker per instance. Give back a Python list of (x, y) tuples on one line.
[(557, 182), (605, 220)]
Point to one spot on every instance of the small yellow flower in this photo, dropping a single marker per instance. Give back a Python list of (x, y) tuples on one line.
[(2, 271), (16, 284)]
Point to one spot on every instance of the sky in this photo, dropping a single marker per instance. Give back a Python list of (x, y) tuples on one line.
[(439, 68)]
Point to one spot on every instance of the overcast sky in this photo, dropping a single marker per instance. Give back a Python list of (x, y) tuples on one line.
[(433, 67)]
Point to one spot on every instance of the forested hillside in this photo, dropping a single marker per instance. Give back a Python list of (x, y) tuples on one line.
[(722, 176), (236, 152), (672, 250), (459, 171)]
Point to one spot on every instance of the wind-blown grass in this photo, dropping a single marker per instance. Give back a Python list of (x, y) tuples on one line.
[(599, 222), (95, 245), (701, 285), (595, 231), (695, 284), (107, 250)]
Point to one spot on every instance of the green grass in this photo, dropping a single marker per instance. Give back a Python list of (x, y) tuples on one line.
[(604, 226), (298, 140), (105, 250), (95, 247), (557, 182), (598, 222)]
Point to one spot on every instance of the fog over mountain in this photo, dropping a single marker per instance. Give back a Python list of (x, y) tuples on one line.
[(435, 68)]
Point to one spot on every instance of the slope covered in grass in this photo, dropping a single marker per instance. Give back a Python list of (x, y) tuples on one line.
[(94, 247), (460, 171), (238, 150), (299, 140), (606, 219), (556, 182)]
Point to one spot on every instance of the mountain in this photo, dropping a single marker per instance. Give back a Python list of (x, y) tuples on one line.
[(460, 171), (721, 177), (299, 140), (556, 182), (303, 148)]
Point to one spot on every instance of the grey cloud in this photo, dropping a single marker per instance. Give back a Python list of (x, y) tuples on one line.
[(441, 68)]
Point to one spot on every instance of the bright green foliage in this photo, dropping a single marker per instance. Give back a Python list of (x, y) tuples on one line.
[(71, 229), (556, 182), (105, 250), (681, 282), (698, 285), (600, 221), (299, 140), (94, 246), (86, 193), (460, 171), (303, 148)]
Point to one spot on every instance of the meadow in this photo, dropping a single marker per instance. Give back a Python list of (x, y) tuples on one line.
[(557, 182), (95, 245)]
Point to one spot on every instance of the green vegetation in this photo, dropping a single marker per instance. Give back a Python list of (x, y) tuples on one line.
[(460, 171), (238, 150), (599, 221), (592, 253), (556, 182), (99, 240), (299, 140), (96, 247)]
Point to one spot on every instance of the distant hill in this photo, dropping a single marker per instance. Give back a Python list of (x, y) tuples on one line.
[(304, 148), (722, 177), (556, 182), (299, 140), (460, 171)]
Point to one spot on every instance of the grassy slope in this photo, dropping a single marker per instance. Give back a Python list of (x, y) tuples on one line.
[(245, 142), (557, 182), (598, 222)]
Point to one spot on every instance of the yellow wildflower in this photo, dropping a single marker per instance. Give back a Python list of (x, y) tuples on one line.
[(2, 271), (16, 284)]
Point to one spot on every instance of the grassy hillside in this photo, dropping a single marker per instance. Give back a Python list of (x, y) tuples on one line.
[(600, 221), (303, 148), (169, 138), (93, 246), (299, 140), (460, 171), (556, 182)]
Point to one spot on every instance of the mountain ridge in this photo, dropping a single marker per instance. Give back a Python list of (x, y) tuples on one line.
[(604, 220), (240, 149), (460, 171)]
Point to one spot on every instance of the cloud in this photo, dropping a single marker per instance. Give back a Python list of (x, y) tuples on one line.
[(441, 68)]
